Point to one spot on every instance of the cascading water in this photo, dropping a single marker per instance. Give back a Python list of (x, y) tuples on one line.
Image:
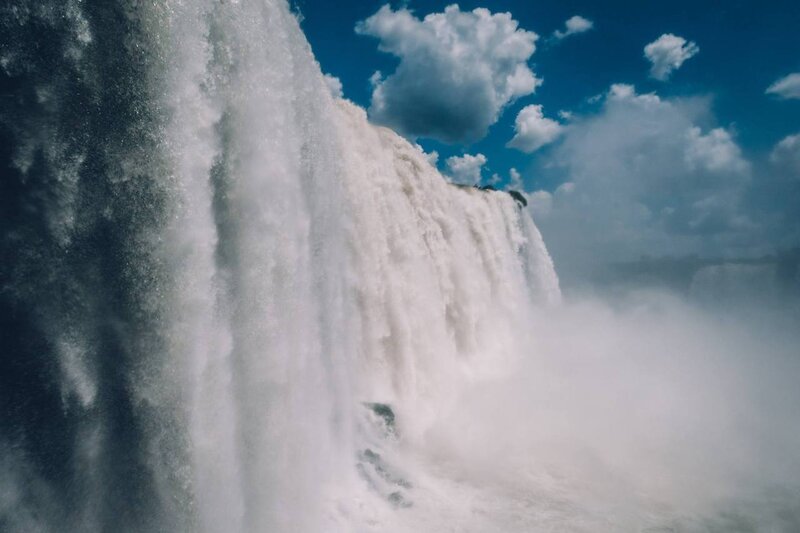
[(228, 302)]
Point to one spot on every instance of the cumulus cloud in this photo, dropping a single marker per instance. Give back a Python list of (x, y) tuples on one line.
[(715, 151), (787, 87), (626, 92), (458, 70), (334, 85), (532, 129), (466, 169), (786, 155), (668, 53), (573, 25), (642, 176)]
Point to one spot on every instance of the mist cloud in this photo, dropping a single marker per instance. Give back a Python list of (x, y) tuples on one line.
[(643, 175), (679, 417)]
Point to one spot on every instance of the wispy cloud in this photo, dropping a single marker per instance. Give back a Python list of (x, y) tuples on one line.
[(574, 25), (787, 87)]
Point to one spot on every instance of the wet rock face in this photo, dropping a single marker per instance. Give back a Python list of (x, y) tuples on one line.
[(374, 464), (385, 413), (516, 195)]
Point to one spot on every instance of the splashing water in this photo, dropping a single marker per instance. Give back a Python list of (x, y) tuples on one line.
[(231, 304)]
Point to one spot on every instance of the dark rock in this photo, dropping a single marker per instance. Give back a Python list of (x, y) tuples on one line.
[(385, 412), (516, 195), (381, 477), (397, 499)]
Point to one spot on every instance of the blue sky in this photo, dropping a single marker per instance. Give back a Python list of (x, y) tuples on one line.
[(734, 189)]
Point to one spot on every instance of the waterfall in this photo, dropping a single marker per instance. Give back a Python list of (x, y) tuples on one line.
[(228, 301)]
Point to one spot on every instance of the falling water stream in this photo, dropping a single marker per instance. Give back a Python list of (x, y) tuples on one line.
[(210, 265)]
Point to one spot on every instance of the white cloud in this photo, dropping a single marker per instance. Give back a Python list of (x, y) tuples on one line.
[(466, 169), (334, 85), (642, 176), (532, 129), (573, 25), (621, 91), (565, 188), (458, 70), (787, 87), (515, 180), (667, 53), (540, 203), (786, 155), (626, 92), (715, 152)]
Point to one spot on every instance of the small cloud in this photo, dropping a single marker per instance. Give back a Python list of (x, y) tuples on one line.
[(787, 87), (565, 115), (620, 92), (596, 98), (466, 169), (786, 154), (458, 70), (334, 85), (515, 180), (532, 129), (668, 53), (574, 25)]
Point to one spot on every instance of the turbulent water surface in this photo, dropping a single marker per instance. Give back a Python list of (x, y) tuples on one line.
[(230, 304)]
